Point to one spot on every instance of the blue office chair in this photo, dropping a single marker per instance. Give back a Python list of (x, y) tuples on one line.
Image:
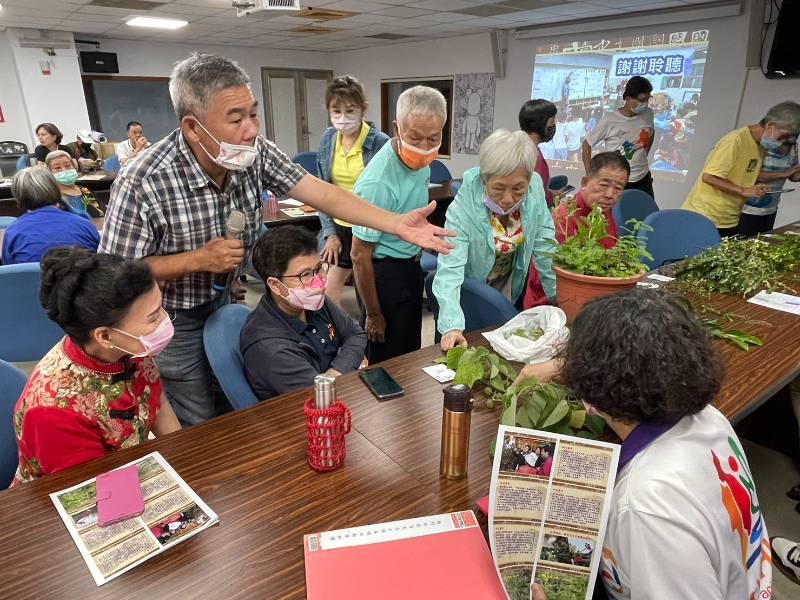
[(428, 262), (634, 204), (557, 183), (439, 172), (677, 234), (483, 305), (111, 164), (12, 382), (221, 341), (6, 221), (23, 161), (28, 333), (307, 160)]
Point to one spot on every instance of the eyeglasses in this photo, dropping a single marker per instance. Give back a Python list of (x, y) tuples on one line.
[(308, 275)]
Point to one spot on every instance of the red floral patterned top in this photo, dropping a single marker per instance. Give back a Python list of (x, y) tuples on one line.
[(507, 238), (75, 409)]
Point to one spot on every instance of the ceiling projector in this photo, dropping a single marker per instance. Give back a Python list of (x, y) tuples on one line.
[(271, 7)]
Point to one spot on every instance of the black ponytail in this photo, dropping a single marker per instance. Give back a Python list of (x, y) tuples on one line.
[(82, 291)]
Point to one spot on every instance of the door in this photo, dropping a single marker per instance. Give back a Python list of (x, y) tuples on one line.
[(295, 109)]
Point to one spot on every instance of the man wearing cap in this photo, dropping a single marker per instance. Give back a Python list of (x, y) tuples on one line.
[(83, 151)]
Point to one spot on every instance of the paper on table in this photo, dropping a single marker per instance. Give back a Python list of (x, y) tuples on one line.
[(290, 202), (440, 373), (298, 212), (434, 185), (173, 513), (92, 177), (777, 301), (659, 277), (549, 526)]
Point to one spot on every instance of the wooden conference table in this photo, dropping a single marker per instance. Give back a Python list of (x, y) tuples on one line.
[(96, 182), (250, 467)]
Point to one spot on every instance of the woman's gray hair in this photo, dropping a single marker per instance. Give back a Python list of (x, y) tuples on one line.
[(504, 152), (420, 100), (785, 115), (34, 188), (51, 156), (196, 78)]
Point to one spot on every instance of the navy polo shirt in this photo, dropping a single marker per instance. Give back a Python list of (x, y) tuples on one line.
[(318, 330)]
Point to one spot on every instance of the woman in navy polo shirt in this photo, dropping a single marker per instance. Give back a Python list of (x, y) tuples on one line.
[(44, 225)]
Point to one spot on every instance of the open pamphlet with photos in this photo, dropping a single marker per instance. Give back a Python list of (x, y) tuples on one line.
[(172, 513), (548, 508)]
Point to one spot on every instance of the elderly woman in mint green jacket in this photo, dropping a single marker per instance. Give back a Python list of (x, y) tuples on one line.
[(501, 222)]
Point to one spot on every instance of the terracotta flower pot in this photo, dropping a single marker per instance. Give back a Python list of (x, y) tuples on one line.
[(573, 290)]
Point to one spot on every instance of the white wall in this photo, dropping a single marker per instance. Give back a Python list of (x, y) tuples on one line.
[(146, 59), (722, 87), (57, 98), (15, 128)]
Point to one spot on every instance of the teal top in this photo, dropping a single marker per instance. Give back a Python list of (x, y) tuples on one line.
[(474, 254), (386, 182)]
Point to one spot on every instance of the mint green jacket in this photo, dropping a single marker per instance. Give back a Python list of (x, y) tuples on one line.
[(474, 255)]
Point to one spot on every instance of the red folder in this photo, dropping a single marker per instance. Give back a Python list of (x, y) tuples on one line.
[(442, 556)]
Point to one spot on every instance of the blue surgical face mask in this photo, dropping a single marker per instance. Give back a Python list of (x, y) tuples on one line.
[(67, 177), (639, 109), (499, 210)]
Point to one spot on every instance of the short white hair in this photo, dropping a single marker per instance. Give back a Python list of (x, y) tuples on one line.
[(504, 152), (420, 100), (196, 78), (51, 156)]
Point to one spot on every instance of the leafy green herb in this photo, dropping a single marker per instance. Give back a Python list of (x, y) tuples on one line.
[(737, 337), (582, 253), (532, 335), (742, 267), (530, 403)]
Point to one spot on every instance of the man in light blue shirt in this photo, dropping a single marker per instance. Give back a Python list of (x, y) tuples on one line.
[(387, 272)]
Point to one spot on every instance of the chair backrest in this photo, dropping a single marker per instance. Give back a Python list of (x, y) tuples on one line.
[(6, 221), (483, 305), (27, 332), (23, 161), (12, 382), (557, 182), (12, 147), (677, 234), (221, 341), (111, 164), (633, 204), (106, 150), (307, 160), (439, 172)]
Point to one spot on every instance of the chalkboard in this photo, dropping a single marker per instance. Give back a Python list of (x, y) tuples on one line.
[(120, 101)]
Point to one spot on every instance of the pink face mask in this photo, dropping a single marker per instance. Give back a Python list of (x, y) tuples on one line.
[(309, 297), (155, 341)]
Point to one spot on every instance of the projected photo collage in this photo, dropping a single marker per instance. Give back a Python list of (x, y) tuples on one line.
[(584, 79)]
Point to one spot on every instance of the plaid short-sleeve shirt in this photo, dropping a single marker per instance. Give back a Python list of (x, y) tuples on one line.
[(165, 203)]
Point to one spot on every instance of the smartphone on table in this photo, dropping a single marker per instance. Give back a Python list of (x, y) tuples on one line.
[(380, 383)]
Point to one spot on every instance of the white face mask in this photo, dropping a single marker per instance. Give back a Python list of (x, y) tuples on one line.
[(346, 123), (231, 156)]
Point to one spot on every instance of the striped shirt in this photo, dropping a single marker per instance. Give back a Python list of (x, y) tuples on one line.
[(165, 203), (773, 162)]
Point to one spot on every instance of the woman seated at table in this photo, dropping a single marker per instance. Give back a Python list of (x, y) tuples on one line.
[(98, 389), (685, 520), (344, 151), (74, 198), (602, 186), (502, 227), (44, 225), (50, 137)]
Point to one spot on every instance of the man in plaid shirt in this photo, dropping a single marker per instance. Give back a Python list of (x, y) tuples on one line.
[(170, 206)]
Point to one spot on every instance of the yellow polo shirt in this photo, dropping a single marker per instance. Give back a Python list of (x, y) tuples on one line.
[(737, 157), (346, 167)]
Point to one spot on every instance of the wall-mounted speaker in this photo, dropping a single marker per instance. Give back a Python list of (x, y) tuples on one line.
[(784, 58)]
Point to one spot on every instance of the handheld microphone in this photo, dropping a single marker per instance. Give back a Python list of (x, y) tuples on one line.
[(234, 227)]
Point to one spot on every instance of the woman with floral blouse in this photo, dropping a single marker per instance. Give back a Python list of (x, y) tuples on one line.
[(98, 389), (502, 228)]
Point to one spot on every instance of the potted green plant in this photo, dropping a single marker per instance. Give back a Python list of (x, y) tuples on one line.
[(584, 269)]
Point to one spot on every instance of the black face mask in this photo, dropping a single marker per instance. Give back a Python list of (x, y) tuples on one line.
[(549, 132)]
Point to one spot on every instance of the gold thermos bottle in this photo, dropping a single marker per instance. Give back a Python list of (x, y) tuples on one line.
[(456, 420)]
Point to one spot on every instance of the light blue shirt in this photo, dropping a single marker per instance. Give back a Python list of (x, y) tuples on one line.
[(386, 182), (473, 256)]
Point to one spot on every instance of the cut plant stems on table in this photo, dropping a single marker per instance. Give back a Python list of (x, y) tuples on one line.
[(530, 403), (742, 266), (582, 252)]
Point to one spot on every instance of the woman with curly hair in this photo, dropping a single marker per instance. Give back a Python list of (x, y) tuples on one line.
[(685, 520), (98, 389)]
